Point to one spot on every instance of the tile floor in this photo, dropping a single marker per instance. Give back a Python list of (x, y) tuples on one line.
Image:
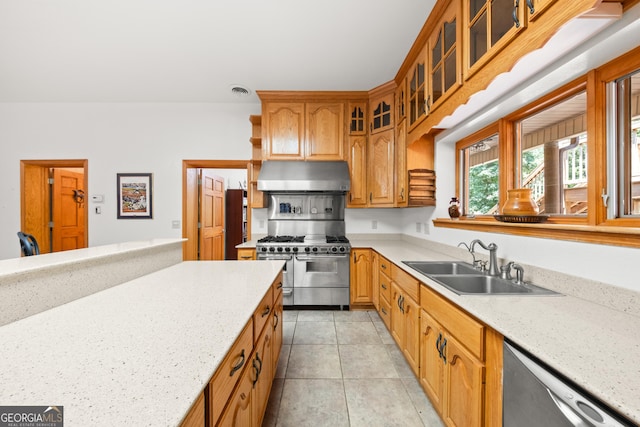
[(342, 368)]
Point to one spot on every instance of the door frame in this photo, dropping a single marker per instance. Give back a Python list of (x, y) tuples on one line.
[(189, 222), (54, 163)]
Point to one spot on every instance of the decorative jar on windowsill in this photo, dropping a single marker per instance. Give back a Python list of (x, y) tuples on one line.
[(454, 208), (519, 202)]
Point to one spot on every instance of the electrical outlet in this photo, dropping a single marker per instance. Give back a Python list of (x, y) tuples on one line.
[(175, 223), (426, 228), (418, 227), (374, 225)]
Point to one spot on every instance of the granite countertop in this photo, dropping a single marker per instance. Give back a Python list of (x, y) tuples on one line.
[(135, 354), (595, 346)]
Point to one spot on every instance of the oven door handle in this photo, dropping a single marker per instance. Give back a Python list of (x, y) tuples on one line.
[(312, 257)]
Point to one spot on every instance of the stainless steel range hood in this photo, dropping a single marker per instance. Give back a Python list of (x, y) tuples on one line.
[(289, 176)]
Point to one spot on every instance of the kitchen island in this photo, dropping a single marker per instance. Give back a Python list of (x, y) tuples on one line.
[(139, 353)]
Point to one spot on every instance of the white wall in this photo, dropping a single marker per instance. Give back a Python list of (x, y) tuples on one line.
[(118, 138)]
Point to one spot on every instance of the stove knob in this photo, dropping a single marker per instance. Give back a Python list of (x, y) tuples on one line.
[(307, 249), (315, 249), (342, 249), (287, 249), (334, 249), (279, 249), (295, 249), (272, 249)]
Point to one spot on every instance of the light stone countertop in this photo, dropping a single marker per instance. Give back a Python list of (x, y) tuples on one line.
[(32, 263), (595, 346), (135, 354)]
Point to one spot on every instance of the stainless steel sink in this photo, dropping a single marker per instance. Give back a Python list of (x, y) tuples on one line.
[(441, 267), (487, 285)]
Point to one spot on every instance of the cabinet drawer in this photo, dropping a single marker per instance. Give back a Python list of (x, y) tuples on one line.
[(385, 266), (384, 282), (406, 282), (229, 372), (246, 254), (467, 330), (385, 312), (261, 315)]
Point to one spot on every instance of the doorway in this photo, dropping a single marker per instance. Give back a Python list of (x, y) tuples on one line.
[(53, 206), (207, 241)]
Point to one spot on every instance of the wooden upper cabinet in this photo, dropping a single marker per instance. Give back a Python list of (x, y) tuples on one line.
[(536, 7), (401, 175), (324, 123), (382, 108), (417, 94), (357, 118), (283, 130), (381, 161), (357, 159), (445, 56), (489, 26), (401, 101)]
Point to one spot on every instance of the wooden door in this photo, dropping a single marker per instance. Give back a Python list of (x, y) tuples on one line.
[(357, 159), (68, 210), (412, 333), (361, 276), (463, 386), (211, 246), (381, 162), (431, 366), (36, 204), (324, 123), (397, 316), (239, 412), (283, 127)]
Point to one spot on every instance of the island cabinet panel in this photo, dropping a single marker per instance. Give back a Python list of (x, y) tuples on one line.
[(229, 373), (240, 412), (283, 127), (196, 415), (325, 130), (262, 365)]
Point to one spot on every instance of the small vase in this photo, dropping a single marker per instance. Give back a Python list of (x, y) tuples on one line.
[(520, 202), (454, 208)]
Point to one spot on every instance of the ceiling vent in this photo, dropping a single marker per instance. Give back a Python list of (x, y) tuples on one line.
[(240, 91)]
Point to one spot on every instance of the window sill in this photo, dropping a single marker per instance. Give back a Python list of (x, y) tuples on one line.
[(599, 234)]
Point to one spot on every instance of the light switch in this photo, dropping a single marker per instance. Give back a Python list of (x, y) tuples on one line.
[(98, 210)]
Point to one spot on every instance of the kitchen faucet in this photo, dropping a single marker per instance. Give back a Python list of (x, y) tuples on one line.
[(493, 260)]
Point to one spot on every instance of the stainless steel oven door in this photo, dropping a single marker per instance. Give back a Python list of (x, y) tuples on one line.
[(287, 275), (321, 280)]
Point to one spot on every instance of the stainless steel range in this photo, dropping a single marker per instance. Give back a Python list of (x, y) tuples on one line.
[(306, 229)]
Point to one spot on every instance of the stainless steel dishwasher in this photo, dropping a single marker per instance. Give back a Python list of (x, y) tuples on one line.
[(533, 396)]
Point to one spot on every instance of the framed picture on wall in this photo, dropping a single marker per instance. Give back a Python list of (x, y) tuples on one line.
[(135, 195)]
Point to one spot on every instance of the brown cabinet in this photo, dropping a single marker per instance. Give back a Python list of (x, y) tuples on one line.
[(381, 176), (405, 315), (381, 108), (452, 368), (445, 54), (361, 292), (196, 416), (357, 159), (246, 254), (384, 290), (235, 221), (375, 279), (283, 130), (418, 90), (304, 130), (401, 176)]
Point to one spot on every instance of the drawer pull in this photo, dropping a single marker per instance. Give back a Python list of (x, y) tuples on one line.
[(246, 256), (383, 266), (279, 285), (383, 286), (239, 365), (266, 311), (383, 311)]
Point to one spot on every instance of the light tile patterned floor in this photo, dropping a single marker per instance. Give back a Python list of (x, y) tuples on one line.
[(342, 368)]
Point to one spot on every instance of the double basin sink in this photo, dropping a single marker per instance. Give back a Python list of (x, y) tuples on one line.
[(463, 279)]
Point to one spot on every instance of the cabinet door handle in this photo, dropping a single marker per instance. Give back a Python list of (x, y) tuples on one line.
[(383, 311), (402, 194), (444, 351), (279, 285), (257, 372), (266, 311), (383, 286), (532, 9), (370, 197), (354, 257), (383, 266), (238, 365), (276, 319), (438, 344), (516, 21)]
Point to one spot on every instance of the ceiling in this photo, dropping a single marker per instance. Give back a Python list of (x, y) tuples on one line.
[(197, 50)]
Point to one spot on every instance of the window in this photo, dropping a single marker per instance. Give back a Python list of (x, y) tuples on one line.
[(479, 168), (551, 156), (625, 146)]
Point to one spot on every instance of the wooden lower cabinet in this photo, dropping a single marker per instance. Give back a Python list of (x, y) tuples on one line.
[(360, 289), (195, 417), (249, 373), (405, 325), (245, 254)]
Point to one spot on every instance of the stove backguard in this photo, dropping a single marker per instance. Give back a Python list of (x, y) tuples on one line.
[(302, 214)]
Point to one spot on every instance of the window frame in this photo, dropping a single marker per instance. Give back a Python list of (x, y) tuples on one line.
[(597, 227)]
